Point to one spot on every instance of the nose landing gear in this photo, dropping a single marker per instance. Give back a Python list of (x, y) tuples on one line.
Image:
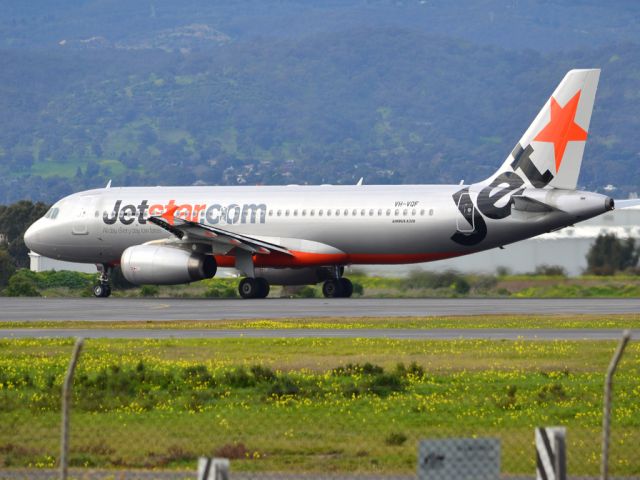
[(337, 288), (103, 289)]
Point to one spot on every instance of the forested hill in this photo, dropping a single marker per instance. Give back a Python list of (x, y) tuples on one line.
[(390, 104)]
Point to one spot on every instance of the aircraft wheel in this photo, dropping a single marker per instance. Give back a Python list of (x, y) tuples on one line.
[(346, 286), (101, 291), (263, 288), (332, 289), (249, 288)]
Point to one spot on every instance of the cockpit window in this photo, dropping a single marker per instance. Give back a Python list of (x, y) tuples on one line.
[(52, 213)]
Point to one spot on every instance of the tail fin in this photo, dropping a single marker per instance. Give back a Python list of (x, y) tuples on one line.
[(550, 151)]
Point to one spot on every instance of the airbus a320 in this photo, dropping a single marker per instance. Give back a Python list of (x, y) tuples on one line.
[(300, 235)]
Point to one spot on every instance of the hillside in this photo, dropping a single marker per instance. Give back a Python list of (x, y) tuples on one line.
[(225, 103)]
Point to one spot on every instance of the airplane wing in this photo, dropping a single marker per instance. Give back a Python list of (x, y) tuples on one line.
[(209, 234)]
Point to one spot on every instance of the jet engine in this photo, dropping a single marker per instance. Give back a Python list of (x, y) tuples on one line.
[(162, 265)]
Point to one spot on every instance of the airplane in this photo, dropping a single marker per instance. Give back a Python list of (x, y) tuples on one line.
[(304, 235)]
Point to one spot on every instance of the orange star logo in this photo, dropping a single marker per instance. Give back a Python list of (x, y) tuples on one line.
[(169, 214), (562, 127)]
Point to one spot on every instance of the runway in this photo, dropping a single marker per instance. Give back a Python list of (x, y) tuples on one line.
[(390, 333), (135, 309)]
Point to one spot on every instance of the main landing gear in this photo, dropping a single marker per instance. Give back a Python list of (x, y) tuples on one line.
[(253, 288), (103, 289), (337, 288)]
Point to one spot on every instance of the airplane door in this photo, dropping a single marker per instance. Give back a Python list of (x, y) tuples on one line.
[(82, 215), (465, 223)]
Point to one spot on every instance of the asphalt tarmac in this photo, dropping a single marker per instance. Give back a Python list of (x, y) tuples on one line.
[(135, 309), (392, 333)]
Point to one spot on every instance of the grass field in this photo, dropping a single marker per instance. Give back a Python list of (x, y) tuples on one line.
[(330, 405), (630, 321)]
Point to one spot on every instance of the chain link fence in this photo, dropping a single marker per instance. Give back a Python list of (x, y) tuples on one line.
[(308, 408)]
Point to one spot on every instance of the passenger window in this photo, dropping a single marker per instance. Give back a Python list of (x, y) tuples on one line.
[(379, 212), (328, 212), (346, 212), (354, 213), (279, 212), (320, 212), (271, 213), (431, 212), (371, 212), (413, 212), (286, 213), (362, 212), (304, 213), (388, 212), (337, 213), (397, 212), (312, 213), (404, 212), (295, 213)]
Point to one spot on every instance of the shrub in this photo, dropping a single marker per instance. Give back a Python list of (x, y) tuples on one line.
[(437, 280), (263, 374), (358, 289), (239, 378), (356, 369), (284, 385), (232, 451), (395, 438), (412, 370), (551, 270), (22, 284), (220, 290), (149, 291)]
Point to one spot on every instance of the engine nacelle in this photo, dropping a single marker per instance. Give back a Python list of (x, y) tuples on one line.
[(162, 265), (293, 276)]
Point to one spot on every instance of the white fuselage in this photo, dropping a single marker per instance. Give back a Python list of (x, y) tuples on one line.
[(321, 225)]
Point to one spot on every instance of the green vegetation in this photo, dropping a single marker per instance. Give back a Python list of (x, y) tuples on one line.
[(310, 404), (528, 322), (394, 106), (14, 221), (609, 255), (417, 284)]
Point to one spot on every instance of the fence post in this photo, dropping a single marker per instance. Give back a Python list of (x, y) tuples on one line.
[(213, 468), (66, 399), (606, 417)]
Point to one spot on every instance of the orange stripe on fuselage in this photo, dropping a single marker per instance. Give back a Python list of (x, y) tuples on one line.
[(305, 259)]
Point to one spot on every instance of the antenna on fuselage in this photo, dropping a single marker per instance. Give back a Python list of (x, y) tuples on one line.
[(108, 184), (359, 184)]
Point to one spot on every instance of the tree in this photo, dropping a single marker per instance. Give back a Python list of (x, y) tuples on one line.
[(14, 221), (7, 267), (609, 255)]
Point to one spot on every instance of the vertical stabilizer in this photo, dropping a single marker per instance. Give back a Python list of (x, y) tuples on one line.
[(550, 151)]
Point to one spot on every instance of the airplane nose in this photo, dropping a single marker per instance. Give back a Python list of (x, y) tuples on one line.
[(30, 237)]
